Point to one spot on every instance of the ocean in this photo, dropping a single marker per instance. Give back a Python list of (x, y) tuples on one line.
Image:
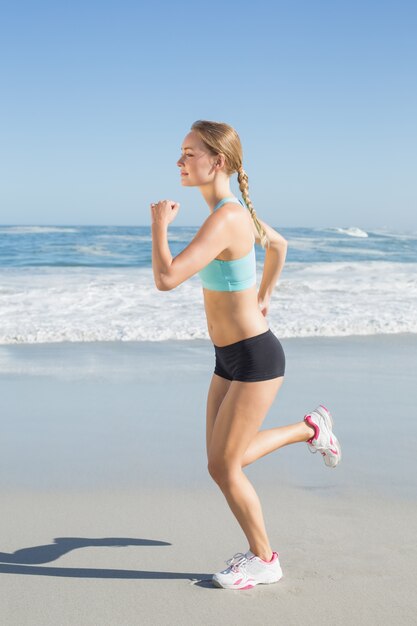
[(95, 283)]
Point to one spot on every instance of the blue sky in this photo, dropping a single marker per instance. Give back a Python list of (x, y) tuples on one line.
[(98, 96)]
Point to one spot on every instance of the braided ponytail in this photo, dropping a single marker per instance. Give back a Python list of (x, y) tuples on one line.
[(243, 179)]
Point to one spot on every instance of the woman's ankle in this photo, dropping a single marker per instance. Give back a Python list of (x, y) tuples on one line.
[(309, 431), (264, 555)]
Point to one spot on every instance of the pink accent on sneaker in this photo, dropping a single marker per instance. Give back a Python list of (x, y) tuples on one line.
[(324, 407), (238, 581), (247, 587), (272, 559), (309, 421), (334, 451)]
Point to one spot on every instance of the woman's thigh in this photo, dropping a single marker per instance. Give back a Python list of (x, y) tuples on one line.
[(239, 418), (218, 389)]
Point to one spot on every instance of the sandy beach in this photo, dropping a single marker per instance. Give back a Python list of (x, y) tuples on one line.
[(103, 447)]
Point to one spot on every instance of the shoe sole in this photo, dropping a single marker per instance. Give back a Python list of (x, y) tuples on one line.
[(216, 583), (337, 458), (327, 416)]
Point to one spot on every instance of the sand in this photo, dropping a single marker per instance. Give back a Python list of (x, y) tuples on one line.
[(104, 447)]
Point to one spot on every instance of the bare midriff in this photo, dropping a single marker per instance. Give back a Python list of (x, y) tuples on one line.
[(233, 315)]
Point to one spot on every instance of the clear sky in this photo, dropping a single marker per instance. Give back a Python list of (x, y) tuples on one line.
[(96, 98)]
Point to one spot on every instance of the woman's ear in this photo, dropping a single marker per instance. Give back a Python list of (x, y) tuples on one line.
[(221, 160)]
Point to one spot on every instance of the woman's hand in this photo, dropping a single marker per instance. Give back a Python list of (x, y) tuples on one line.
[(264, 304), (164, 211)]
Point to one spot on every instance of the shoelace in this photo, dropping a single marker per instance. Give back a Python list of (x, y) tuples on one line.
[(237, 561)]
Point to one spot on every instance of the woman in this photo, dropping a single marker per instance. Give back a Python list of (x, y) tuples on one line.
[(250, 361)]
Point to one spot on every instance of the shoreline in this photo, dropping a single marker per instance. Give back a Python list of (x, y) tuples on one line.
[(139, 407)]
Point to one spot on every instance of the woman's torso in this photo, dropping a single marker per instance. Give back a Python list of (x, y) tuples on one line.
[(235, 315)]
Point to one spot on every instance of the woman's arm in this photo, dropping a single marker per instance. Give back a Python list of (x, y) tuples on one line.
[(273, 264), (161, 254), (211, 239)]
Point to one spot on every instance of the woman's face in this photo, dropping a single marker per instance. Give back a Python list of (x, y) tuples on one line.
[(195, 162)]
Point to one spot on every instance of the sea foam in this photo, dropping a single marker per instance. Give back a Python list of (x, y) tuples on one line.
[(92, 304)]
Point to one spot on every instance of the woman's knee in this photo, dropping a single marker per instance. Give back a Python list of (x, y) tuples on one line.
[(223, 470)]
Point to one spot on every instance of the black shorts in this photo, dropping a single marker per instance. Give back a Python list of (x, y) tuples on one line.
[(250, 360)]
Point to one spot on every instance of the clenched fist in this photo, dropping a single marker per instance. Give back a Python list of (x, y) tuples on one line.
[(164, 211)]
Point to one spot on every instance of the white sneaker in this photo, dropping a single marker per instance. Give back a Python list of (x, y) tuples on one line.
[(324, 440), (247, 570)]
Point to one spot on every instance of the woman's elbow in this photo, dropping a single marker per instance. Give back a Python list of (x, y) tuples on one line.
[(165, 284), (159, 284)]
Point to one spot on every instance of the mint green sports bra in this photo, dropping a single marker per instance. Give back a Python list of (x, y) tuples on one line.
[(233, 275)]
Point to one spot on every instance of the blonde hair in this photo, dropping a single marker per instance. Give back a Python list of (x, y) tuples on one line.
[(219, 137)]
